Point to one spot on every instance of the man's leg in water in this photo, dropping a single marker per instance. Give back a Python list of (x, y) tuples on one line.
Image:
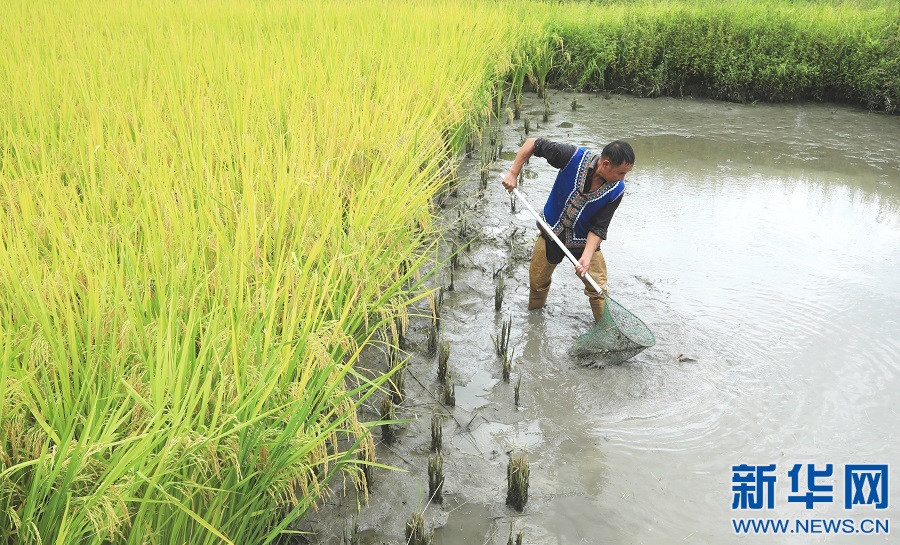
[(539, 274), (597, 270)]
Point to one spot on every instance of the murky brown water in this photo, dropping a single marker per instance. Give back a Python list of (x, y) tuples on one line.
[(762, 241)]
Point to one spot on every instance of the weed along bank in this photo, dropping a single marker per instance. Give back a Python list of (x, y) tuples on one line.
[(260, 284)]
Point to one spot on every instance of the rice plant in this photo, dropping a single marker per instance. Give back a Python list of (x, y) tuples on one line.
[(448, 392), (436, 477), (437, 432), (512, 250), (397, 380), (518, 72), (443, 362), (365, 464), (499, 284), (398, 329), (201, 229), (416, 534), (350, 531), (472, 143), (436, 301), (462, 228), (506, 365), (541, 60), (431, 341), (388, 427), (501, 341), (517, 474), (484, 172)]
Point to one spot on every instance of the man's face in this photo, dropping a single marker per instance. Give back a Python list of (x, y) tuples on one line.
[(612, 173)]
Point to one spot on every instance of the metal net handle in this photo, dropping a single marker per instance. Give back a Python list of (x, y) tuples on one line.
[(550, 232)]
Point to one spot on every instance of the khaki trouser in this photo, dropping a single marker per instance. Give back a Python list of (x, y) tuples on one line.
[(541, 270)]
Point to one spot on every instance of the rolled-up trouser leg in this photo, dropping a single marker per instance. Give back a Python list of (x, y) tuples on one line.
[(597, 270), (539, 274)]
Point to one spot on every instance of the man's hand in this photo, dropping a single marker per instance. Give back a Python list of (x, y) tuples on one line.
[(584, 263), (510, 181)]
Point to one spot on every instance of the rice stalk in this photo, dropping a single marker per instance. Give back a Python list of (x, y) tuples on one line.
[(443, 362), (501, 341), (437, 432), (436, 477), (416, 533), (507, 366), (517, 474)]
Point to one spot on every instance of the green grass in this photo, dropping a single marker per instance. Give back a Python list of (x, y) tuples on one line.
[(772, 50)]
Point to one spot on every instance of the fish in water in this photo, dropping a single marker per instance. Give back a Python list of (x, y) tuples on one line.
[(646, 282), (685, 359)]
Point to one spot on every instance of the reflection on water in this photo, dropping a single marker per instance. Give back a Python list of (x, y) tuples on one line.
[(492, 437)]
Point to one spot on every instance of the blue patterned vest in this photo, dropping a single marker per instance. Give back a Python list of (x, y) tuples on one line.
[(569, 209)]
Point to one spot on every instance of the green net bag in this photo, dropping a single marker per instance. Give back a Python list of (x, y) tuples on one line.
[(618, 336)]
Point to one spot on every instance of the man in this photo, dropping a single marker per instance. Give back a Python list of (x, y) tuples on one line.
[(584, 197)]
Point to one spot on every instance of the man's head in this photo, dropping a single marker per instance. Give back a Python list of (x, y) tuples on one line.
[(616, 160)]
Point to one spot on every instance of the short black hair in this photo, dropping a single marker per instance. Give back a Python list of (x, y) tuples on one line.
[(618, 152)]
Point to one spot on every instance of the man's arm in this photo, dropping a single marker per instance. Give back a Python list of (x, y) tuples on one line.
[(556, 153), (596, 235), (511, 180), (600, 221), (584, 262)]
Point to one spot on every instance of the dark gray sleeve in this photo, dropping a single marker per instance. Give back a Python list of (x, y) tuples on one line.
[(556, 153), (600, 221)]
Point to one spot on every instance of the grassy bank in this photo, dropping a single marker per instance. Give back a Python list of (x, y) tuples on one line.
[(771, 50)]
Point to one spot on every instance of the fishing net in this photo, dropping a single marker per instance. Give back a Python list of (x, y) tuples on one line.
[(618, 336)]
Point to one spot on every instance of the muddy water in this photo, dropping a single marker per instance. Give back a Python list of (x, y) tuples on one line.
[(762, 242)]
